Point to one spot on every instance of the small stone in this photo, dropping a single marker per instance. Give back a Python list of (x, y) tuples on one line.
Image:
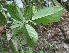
[(65, 46)]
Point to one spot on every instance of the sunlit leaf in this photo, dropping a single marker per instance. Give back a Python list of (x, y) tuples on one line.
[(2, 19), (50, 18), (32, 33), (46, 12)]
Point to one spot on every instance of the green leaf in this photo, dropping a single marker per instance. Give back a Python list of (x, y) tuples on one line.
[(2, 19), (12, 46), (41, 52), (17, 31), (0, 7), (46, 12), (29, 51), (28, 13), (50, 18), (13, 11), (32, 33), (15, 26), (20, 14), (27, 38)]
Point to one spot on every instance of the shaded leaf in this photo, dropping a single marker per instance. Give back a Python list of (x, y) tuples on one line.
[(2, 19), (0, 7), (27, 38), (28, 12), (17, 31)]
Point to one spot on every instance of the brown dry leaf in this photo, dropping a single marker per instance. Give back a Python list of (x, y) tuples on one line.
[(1, 29)]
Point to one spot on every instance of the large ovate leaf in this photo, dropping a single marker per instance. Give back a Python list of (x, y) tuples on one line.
[(13, 11), (46, 12), (2, 19), (50, 18), (32, 33)]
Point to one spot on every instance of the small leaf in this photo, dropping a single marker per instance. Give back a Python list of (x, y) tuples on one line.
[(20, 14), (0, 7), (2, 19), (46, 12), (17, 30), (28, 13), (29, 51), (12, 46), (32, 33)]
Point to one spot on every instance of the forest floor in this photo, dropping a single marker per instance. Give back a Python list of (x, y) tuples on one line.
[(53, 38)]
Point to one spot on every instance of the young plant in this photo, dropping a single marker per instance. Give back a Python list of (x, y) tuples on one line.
[(23, 21), (22, 25)]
